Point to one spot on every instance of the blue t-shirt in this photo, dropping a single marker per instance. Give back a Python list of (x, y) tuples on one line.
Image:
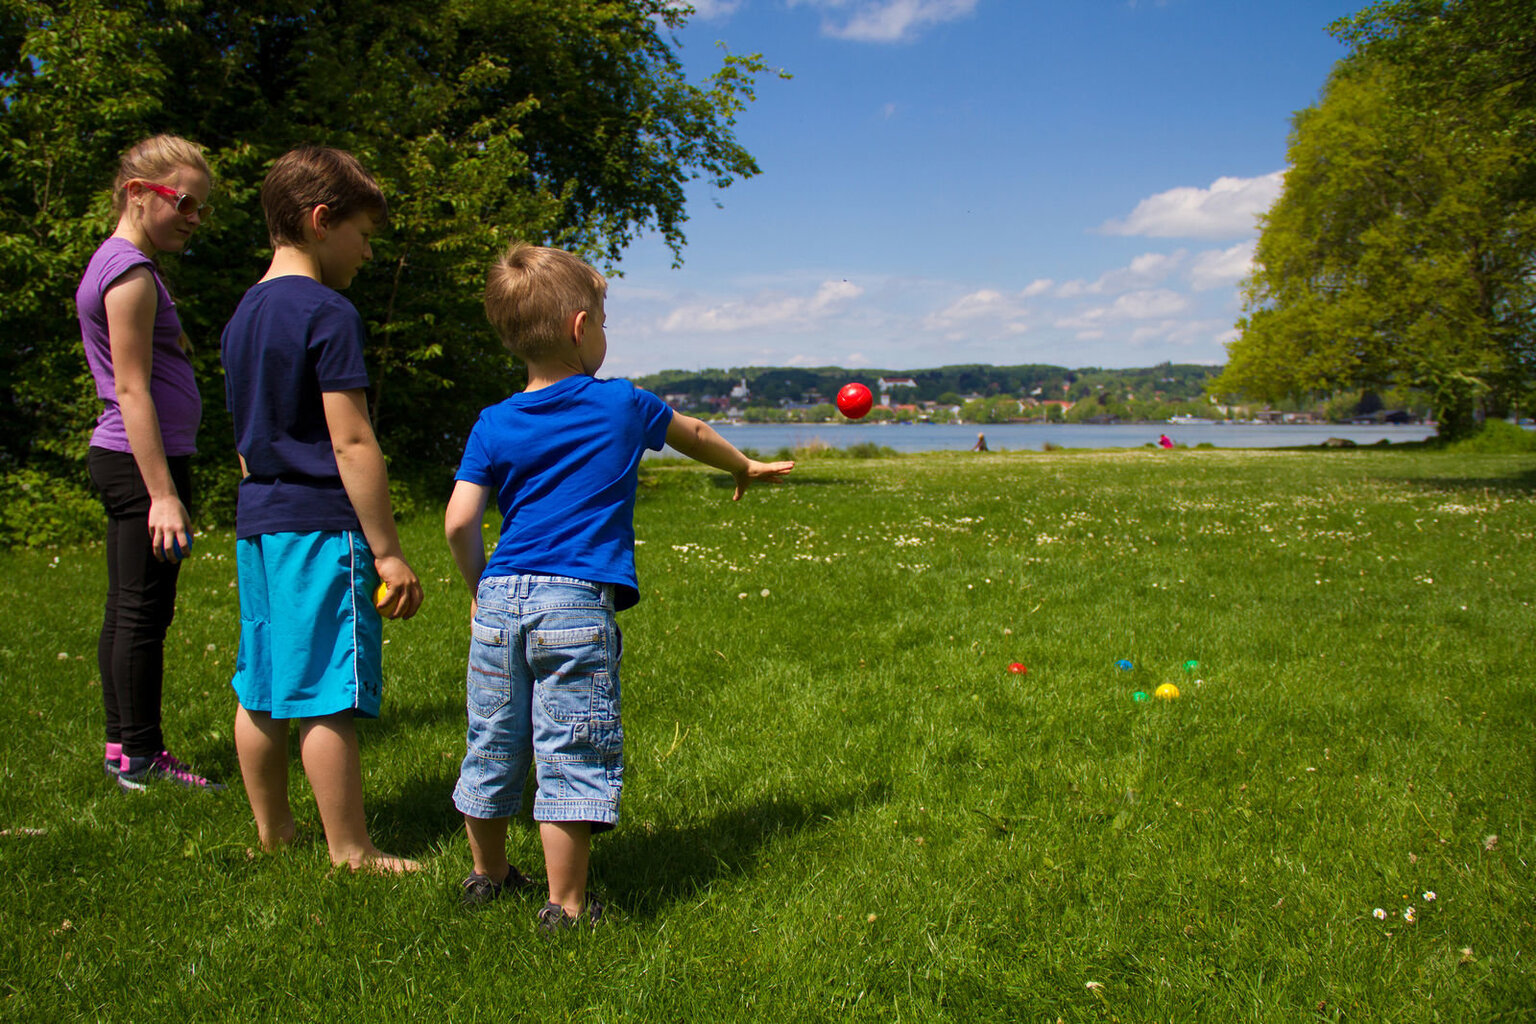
[(564, 462), (291, 340)]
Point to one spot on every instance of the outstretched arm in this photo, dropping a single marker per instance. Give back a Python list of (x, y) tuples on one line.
[(703, 443)]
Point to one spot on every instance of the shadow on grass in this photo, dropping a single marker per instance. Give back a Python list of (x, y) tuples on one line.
[(1516, 484), (416, 820), (646, 870), (411, 716)]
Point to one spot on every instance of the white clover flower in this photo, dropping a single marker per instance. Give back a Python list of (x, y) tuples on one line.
[(765, 592)]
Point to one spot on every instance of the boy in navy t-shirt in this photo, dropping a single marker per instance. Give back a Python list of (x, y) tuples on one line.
[(562, 459), (314, 530)]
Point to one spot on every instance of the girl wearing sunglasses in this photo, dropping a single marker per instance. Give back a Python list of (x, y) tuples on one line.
[(141, 450)]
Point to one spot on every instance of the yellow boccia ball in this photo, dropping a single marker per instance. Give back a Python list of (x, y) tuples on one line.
[(1166, 692), (380, 594)]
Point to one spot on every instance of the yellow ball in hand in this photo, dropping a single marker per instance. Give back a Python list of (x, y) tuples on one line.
[(380, 594)]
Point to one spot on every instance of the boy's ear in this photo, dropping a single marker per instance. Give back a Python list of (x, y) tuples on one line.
[(578, 325), (319, 220)]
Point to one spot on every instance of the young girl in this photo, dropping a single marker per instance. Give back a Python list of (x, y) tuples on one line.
[(143, 442)]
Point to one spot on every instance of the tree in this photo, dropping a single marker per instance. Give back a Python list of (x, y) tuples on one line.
[(1403, 247), (565, 122)]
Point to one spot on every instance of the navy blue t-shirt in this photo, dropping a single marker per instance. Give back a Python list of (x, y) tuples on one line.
[(564, 462), (291, 340)]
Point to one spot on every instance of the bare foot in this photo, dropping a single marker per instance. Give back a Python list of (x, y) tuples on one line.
[(278, 840), (383, 864)]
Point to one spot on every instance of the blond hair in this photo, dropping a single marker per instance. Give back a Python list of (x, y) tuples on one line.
[(533, 291), (312, 176), (152, 159)]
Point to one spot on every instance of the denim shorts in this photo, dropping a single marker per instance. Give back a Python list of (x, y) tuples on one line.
[(543, 687)]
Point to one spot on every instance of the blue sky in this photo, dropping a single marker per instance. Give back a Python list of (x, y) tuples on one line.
[(979, 181)]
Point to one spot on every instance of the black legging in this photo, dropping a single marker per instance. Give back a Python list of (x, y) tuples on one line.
[(141, 601)]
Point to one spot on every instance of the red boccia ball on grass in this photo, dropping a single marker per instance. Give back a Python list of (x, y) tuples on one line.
[(855, 401)]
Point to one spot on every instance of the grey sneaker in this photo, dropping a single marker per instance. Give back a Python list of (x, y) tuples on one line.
[(138, 773), (553, 919), (477, 890)]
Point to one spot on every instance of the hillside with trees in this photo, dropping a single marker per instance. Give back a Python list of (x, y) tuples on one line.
[(969, 392)]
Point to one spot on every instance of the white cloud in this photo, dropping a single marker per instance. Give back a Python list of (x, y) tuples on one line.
[(1225, 210), (1039, 286), (1144, 304), (984, 311), (1145, 270), (1218, 268), (764, 311), (1140, 305), (884, 21), (707, 10)]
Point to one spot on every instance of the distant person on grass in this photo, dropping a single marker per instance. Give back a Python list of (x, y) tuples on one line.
[(314, 529), (562, 459), (142, 447)]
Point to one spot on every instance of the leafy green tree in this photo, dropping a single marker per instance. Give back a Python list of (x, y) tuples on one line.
[(1403, 248), (565, 122)]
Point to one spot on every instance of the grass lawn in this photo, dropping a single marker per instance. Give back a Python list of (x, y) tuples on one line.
[(840, 804)]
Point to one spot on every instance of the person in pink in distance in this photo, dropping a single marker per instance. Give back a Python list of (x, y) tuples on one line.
[(141, 450), (1164, 441)]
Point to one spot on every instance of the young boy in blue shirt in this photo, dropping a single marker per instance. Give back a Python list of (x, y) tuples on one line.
[(314, 529), (562, 458)]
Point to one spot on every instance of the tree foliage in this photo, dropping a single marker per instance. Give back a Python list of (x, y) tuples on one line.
[(565, 122), (1402, 250)]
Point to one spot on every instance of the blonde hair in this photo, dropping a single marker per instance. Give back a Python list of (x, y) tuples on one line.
[(312, 176), (532, 292), (152, 159)]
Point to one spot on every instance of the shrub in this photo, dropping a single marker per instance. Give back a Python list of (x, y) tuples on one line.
[(1496, 437), (38, 509)]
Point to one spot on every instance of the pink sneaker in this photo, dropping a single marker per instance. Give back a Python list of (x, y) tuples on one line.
[(138, 772)]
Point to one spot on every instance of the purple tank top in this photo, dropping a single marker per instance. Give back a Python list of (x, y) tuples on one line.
[(172, 385)]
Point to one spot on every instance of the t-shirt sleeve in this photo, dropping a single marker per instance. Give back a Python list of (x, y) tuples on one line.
[(336, 345), (119, 263), (475, 466), (656, 415)]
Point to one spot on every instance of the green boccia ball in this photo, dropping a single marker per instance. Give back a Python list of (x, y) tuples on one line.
[(1139, 696)]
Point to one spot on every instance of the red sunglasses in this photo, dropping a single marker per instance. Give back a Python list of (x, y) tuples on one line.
[(186, 205)]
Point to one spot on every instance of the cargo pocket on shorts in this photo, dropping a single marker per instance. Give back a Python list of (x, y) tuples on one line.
[(489, 685), (575, 687)]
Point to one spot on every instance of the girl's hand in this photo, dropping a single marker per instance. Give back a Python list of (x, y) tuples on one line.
[(170, 529)]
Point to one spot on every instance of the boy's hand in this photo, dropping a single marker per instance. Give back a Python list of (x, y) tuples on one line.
[(404, 595), (767, 472)]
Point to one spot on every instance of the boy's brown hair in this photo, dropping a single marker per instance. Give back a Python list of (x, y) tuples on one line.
[(532, 292), (311, 176)]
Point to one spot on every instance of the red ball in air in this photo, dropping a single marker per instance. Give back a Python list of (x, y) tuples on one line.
[(855, 401)]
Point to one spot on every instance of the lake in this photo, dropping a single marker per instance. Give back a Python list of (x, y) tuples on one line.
[(933, 437)]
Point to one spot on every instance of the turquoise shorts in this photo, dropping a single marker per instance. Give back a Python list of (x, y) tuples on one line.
[(311, 640)]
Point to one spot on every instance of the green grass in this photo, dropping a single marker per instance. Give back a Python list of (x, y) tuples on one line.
[(839, 803)]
